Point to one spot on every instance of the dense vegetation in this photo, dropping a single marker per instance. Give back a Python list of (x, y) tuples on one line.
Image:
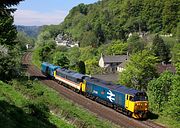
[(9, 48), (106, 20)]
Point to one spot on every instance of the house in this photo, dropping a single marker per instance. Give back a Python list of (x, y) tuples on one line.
[(29, 46), (64, 41), (113, 63)]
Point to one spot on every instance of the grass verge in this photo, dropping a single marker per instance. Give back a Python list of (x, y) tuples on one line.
[(59, 106)]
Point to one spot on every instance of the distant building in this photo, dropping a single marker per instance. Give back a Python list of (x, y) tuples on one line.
[(113, 63), (62, 41), (29, 46)]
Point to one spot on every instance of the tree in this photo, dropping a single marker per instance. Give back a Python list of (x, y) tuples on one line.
[(160, 49), (176, 53), (135, 44), (89, 39), (172, 108), (158, 91), (139, 70), (7, 29), (73, 55), (9, 63), (92, 67), (178, 32), (46, 51), (81, 67), (169, 20), (9, 55), (61, 60), (23, 39), (42, 38), (117, 47)]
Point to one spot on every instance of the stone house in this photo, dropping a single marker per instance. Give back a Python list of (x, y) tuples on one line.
[(113, 63)]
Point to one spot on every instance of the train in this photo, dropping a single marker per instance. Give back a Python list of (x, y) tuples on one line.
[(129, 101)]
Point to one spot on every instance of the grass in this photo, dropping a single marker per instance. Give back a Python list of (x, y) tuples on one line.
[(36, 59), (166, 121), (60, 108), (14, 112)]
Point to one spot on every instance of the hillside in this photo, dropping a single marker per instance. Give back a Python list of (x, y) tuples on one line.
[(31, 31), (30, 104), (107, 20)]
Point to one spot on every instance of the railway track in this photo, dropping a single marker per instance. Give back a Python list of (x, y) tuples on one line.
[(100, 110)]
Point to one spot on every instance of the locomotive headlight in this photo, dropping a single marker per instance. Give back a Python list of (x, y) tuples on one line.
[(146, 104)]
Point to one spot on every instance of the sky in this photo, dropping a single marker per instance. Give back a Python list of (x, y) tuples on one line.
[(44, 12)]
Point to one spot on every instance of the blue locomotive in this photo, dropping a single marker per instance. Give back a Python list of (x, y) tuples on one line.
[(126, 100)]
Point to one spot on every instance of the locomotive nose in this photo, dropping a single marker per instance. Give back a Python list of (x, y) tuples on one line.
[(141, 106)]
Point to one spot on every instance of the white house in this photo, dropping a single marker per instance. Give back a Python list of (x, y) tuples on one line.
[(113, 63)]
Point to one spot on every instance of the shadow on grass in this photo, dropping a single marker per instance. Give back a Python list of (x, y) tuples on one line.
[(152, 116), (12, 116)]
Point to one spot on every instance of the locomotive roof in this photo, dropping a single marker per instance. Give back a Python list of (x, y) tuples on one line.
[(51, 66), (112, 86), (71, 73)]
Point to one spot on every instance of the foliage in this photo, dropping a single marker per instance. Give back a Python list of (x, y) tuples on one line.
[(160, 49), (9, 65), (46, 50), (38, 110), (108, 20), (164, 94), (87, 53), (9, 52), (42, 38), (117, 48), (73, 55), (158, 90), (92, 67), (81, 67), (23, 39), (172, 108), (139, 70), (135, 44), (176, 53), (61, 60), (178, 32), (170, 10)]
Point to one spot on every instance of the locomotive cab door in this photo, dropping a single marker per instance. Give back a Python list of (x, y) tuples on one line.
[(127, 101), (129, 104)]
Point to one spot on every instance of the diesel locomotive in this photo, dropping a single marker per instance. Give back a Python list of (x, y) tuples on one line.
[(129, 101)]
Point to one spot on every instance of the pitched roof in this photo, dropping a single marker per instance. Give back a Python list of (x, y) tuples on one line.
[(117, 58), (123, 64)]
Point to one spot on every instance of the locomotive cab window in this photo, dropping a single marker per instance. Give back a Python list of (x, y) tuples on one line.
[(79, 80), (131, 98), (141, 97)]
